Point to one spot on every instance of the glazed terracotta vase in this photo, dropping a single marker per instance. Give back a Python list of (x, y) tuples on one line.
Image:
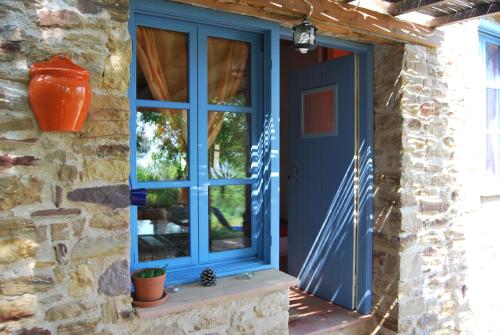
[(59, 94), (148, 289)]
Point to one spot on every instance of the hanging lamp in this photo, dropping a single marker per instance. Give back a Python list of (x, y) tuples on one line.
[(304, 33)]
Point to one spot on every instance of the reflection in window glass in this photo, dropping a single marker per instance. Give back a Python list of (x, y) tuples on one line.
[(230, 217), (492, 62), (163, 224), (228, 72), (229, 145), (162, 144), (162, 65), (493, 154), (492, 108)]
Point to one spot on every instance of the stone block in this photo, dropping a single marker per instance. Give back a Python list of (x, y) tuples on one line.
[(271, 304), (81, 281), (109, 311), (78, 227), (59, 17), (25, 285), (14, 97), (116, 220), (100, 247), (60, 231), (110, 170), (120, 150), (15, 227), (115, 280), (56, 212), (115, 196), (16, 191), (42, 233), (78, 328), (20, 308), (66, 311), (13, 250), (8, 160), (68, 173), (33, 331)]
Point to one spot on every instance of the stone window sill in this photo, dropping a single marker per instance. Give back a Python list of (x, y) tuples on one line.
[(228, 289)]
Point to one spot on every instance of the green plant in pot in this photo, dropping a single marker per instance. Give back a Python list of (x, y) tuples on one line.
[(149, 283)]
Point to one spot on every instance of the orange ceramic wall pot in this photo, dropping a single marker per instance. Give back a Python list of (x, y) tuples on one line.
[(59, 94)]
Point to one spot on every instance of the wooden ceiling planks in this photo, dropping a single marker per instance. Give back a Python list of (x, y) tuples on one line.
[(333, 18), (466, 14)]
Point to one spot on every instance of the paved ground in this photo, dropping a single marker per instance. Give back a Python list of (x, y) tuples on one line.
[(483, 258)]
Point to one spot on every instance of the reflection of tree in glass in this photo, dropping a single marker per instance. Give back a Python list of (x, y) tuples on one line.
[(232, 146), (166, 145)]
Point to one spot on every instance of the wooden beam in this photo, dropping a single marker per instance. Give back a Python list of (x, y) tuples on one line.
[(332, 18), (407, 6), (466, 14)]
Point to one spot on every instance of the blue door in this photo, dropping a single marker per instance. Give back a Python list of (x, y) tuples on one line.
[(320, 108)]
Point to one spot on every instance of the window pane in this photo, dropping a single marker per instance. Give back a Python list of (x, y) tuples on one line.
[(318, 112), (162, 144), (492, 60), (163, 224), (493, 154), (492, 108), (228, 72), (230, 217), (229, 145), (162, 65)]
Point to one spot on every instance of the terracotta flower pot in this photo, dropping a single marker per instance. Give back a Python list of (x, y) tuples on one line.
[(148, 289), (59, 94)]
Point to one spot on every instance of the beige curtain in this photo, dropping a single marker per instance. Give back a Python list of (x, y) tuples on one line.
[(157, 51)]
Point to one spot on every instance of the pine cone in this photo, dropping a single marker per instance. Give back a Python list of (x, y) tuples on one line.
[(208, 277)]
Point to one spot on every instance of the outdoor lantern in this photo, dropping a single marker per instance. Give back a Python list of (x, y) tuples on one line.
[(304, 36)]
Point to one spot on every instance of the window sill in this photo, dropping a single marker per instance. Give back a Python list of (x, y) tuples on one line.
[(228, 289)]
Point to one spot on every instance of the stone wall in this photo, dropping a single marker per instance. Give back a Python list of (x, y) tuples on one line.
[(64, 214), (423, 100), (387, 178), (64, 218)]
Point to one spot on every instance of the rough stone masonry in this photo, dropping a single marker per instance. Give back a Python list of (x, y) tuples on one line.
[(64, 243)]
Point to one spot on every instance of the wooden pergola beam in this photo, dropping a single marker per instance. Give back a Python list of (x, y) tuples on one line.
[(406, 6), (333, 18), (466, 14)]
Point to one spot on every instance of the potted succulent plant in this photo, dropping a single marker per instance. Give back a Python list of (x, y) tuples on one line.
[(149, 284)]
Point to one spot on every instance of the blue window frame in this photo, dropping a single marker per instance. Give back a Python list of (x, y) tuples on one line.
[(489, 38), (262, 181)]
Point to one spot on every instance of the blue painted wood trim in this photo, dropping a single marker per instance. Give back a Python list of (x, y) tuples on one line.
[(272, 134), (489, 28), (365, 204)]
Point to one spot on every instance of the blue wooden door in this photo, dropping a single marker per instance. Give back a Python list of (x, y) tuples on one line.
[(320, 111)]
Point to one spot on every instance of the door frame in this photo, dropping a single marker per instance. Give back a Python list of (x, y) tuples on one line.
[(363, 133)]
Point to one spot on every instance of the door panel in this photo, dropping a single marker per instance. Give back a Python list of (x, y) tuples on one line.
[(321, 179)]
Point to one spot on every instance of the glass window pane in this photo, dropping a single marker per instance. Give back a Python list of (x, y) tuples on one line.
[(228, 72), (162, 65), (318, 112), (492, 62), (229, 145), (230, 217), (163, 224), (492, 108), (162, 144), (493, 154)]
